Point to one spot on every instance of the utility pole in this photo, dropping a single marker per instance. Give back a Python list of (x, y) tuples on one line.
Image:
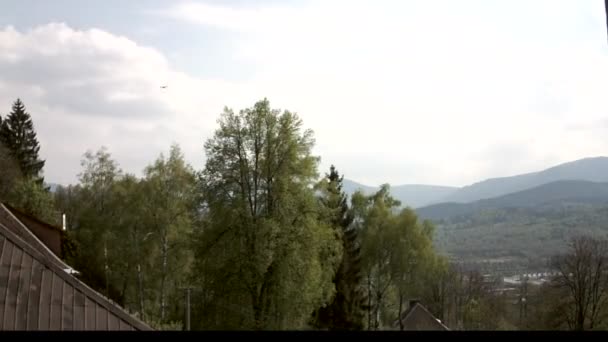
[(187, 306), (606, 8), (523, 294)]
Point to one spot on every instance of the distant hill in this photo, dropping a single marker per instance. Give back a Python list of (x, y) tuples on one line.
[(350, 187), (521, 238), (413, 195), (588, 169), (416, 195), (53, 186), (550, 194), (525, 228)]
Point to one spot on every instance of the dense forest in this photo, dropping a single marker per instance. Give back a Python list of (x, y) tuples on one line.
[(260, 239)]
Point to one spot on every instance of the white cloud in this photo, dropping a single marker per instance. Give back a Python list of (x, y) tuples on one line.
[(403, 92), (90, 88), (421, 90), (251, 19)]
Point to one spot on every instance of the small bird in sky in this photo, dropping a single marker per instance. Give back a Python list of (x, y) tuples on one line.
[(163, 87)]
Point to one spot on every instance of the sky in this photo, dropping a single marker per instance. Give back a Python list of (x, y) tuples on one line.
[(403, 92)]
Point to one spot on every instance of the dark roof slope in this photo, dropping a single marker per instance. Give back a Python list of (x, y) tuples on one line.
[(417, 317), (36, 292), (48, 234)]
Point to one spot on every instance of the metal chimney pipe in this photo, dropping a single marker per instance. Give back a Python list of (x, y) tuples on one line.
[(63, 219)]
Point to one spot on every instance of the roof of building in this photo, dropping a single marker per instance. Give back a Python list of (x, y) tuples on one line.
[(417, 317), (38, 293), (49, 235), (21, 215)]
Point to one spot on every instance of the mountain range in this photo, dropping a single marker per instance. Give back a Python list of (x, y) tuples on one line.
[(417, 196), (512, 224), (551, 194), (413, 195)]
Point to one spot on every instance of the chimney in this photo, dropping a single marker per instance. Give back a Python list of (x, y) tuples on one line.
[(63, 219)]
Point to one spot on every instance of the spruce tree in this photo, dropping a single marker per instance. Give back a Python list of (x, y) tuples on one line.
[(18, 135), (347, 310), (9, 173)]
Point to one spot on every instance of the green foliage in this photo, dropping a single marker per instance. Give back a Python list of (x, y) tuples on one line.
[(69, 248), (397, 252), (18, 135), (525, 238), (21, 183), (262, 254), (264, 245), (168, 204), (168, 326), (131, 235), (32, 198), (347, 308), (91, 218), (10, 173)]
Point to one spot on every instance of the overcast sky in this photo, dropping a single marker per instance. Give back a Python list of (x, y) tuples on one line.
[(405, 92)]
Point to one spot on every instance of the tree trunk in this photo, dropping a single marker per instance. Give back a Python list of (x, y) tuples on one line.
[(580, 320), (164, 250), (258, 311), (140, 290), (140, 284), (369, 302), (400, 310), (261, 300), (377, 315), (106, 267)]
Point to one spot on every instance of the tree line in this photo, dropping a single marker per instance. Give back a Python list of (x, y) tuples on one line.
[(258, 237)]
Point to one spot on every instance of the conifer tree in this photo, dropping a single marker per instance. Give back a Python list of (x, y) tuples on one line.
[(17, 134), (347, 310)]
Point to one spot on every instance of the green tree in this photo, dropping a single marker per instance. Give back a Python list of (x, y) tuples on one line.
[(67, 201), (168, 212), (131, 262), (377, 225), (18, 135), (397, 253), (266, 258), (32, 198), (347, 309), (93, 219), (132, 234), (10, 173), (414, 257), (436, 287)]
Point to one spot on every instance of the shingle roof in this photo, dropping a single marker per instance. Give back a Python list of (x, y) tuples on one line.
[(36, 293)]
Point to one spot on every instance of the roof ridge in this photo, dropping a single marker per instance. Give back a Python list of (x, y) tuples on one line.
[(413, 308), (430, 313)]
